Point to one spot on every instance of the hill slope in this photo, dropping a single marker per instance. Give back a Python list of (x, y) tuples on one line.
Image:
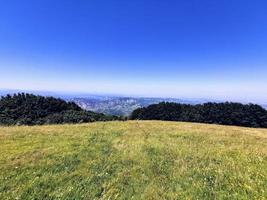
[(133, 159)]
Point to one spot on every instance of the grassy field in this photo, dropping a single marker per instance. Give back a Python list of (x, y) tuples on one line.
[(133, 160)]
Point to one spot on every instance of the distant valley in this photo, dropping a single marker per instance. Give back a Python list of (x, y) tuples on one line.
[(123, 105)]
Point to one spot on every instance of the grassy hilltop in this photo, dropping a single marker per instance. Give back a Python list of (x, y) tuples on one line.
[(133, 160)]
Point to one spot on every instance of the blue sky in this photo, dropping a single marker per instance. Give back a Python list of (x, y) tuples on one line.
[(197, 49)]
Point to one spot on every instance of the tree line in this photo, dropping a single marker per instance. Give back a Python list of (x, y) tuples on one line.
[(29, 109), (248, 115)]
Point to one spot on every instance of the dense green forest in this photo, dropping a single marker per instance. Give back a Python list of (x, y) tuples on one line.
[(249, 115), (29, 109)]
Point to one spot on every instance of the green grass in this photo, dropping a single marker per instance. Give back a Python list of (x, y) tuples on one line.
[(133, 160)]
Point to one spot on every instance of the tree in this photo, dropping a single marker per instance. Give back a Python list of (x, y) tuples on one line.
[(29, 109), (228, 113)]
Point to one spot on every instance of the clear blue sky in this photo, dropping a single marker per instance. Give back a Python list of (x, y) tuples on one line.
[(175, 48)]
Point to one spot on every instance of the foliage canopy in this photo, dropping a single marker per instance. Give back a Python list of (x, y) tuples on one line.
[(29, 109), (250, 115)]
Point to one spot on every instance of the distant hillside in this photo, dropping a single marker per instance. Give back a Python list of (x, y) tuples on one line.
[(122, 105), (30, 109), (250, 115)]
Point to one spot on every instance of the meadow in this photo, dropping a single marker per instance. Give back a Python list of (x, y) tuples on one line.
[(133, 160)]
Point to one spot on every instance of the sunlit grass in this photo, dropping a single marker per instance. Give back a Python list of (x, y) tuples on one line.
[(133, 160)]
